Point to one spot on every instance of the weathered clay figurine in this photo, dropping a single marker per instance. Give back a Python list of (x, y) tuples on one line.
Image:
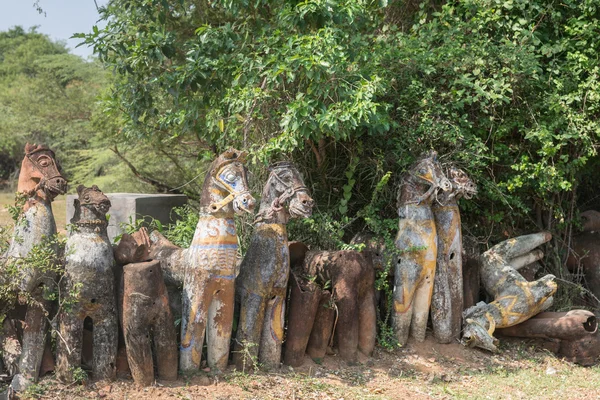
[(146, 317), (515, 299), (89, 275), (447, 299), (352, 278), (207, 267), (262, 283), (585, 254), (40, 181), (417, 242), (574, 334)]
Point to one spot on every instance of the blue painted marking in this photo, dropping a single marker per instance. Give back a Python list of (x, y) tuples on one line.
[(214, 246), (226, 277)]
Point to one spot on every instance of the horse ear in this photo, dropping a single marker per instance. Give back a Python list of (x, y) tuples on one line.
[(94, 187), (242, 156), (80, 189), (29, 148)]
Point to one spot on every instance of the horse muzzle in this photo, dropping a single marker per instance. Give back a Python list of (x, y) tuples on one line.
[(56, 185), (244, 203), (301, 205)]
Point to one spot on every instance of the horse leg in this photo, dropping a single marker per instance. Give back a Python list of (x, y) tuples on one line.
[(405, 282), (196, 300), (220, 324), (252, 315), (105, 342), (34, 339), (422, 302), (367, 324), (272, 330), (165, 337), (346, 330), (69, 345)]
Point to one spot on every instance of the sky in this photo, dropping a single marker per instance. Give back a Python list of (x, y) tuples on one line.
[(62, 19)]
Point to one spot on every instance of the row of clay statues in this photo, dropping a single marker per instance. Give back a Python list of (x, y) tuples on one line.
[(332, 298)]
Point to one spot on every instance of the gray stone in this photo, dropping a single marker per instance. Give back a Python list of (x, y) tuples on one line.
[(127, 207)]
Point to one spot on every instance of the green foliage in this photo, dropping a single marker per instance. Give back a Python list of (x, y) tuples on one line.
[(182, 231)]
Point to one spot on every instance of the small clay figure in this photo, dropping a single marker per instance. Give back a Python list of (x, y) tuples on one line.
[(262, 283), (90, 277), (417, 242)]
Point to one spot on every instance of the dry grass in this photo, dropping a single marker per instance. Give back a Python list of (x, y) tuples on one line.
[(419, 371), (59, 208)]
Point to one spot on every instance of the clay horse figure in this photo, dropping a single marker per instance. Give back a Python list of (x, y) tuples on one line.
[(40, 180), (208, 267), (417, 243), (262, 283), (447, 299), (89, 276), (515, 299)]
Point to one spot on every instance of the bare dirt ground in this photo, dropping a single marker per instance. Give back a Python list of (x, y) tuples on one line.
[(419, 371)]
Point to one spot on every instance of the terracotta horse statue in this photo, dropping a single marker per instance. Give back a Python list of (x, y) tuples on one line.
[(208, 267), (89, 272), (515, 299), (447, 299), (264, 272), (417, 243), (40, 181)]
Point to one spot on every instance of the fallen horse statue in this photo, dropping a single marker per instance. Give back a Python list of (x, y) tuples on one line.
[(574, 333), (515, 299)]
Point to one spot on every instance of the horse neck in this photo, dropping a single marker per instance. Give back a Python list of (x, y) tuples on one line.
[(213, 193), (27, 185), (446, 199), (268, 196), (412, 191), (88, 221)]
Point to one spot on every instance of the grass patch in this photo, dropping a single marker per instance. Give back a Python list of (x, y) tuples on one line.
[(59, 208)]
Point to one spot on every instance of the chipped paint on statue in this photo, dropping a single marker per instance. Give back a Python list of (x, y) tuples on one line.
[(89, 272), (262, 283), (515, 299), (417, 242), (40, 181), (447, 299), (207, 269)]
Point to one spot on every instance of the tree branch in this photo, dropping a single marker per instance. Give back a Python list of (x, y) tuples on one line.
[(161, 187)]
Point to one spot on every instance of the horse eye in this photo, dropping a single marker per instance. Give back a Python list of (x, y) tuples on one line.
[(44, 162), (230, 177), (87, 197)]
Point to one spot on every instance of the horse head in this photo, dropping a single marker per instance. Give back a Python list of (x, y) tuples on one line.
[(462, 185), (285, 192), (423, 180), (40, 173), (91, 206), (226, 183)]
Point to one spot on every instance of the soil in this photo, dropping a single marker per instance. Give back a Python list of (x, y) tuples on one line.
[(417, 371)]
